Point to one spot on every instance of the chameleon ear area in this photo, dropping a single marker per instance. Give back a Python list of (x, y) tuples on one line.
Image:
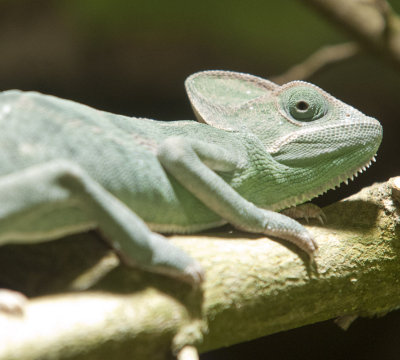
[(216, 95)]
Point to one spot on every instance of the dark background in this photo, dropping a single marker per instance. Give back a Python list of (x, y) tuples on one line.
[(132, 57)]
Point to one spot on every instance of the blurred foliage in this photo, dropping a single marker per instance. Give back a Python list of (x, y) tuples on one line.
[(255, 26)]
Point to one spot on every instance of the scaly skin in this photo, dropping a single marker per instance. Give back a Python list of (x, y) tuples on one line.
[(65, 167)]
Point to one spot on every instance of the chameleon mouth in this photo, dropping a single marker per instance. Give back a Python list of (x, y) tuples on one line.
[(334, 183)]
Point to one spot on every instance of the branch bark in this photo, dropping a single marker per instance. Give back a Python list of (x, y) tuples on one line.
[(254, 287)]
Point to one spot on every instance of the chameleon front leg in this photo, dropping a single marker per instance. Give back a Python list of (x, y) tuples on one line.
[(193, 163), (61, 187)]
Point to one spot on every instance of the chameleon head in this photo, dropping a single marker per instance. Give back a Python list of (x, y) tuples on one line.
[(322, 133), (316, 140)]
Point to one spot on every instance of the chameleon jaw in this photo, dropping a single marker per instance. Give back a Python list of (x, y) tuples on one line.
[(332, 184)]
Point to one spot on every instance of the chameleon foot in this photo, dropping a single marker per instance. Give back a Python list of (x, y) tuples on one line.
[(195, 274), (304, 240), (12, 302), (170, 260), (192, 274), (283, 227), (305, 211)]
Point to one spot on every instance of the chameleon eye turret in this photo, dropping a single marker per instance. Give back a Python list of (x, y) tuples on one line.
[(303, 103)]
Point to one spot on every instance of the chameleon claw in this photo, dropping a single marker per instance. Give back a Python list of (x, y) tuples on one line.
[(306, 211), (304, 241), (312, 250)]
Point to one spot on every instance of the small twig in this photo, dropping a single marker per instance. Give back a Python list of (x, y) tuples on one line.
[(373, 24), (321, 58), (385, 9)]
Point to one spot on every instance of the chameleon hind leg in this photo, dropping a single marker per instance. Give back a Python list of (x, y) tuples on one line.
[(50, 200)]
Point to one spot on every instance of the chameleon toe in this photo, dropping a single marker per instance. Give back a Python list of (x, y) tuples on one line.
[(195, 274)]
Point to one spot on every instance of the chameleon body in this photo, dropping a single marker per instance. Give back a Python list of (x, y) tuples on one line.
[(258, 148)]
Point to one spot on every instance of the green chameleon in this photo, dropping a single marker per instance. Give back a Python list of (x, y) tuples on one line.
[(258, 148)]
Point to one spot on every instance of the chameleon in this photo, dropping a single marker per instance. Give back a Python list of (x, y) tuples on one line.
[(256, 149)]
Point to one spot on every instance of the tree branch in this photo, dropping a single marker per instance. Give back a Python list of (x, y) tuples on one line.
[(371, 22), (253, 288), (321, 58)]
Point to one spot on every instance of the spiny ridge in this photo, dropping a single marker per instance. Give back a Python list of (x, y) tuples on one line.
[(332, 184)]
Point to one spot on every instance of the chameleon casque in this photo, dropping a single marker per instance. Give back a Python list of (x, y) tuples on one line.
[(258, 148)]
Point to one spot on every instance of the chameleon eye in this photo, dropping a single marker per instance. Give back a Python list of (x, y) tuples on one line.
[(303, 103), (302, 106)]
